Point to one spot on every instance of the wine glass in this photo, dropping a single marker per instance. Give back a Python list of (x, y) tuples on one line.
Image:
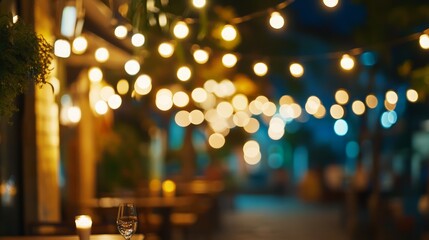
[(127, 220)]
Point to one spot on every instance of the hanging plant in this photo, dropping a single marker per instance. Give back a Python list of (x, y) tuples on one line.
[(25, 58)]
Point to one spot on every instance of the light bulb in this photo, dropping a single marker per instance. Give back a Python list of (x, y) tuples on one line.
[(137, 40), (229, 33), (347, 62), (80, 45), (201, 56), (199, 3), (121, 32), (102, 54), (296, 70), (424, 41), (62, 48), (132, 67), (330, 3), (260, 69), (229, 60), (276, 20), (166, 50), (181, 30), (184, 73)]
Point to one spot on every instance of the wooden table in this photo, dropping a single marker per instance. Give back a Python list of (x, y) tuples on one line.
[(73, 237)]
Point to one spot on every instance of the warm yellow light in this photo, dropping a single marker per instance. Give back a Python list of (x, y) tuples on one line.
[(132, 67), (312, 105), (391, 97), (276, 20), (102, 54), (251, 152), (168, 186), (371, 101), (252, 126), (424, 41), (336, 111), (114, 101), (138, 40), (341, 96), (240, 102), (412, 95), (121, 31), (62, 48), (143, 84), (181, 30), (74, 114), (229, 60), (199, 3), (199, 95), (201, 56), (330, 3), (228, 32), (95, 74), (180, 99), (106, 92), (347, 62), (358, 107), (241, 118), (79, 45), (224, 109), (162, 20), (269, 109), (296, 70), (184, 73), (196, 117), (101, 107), (122, 86), (182, 118), (166, 50), (260, 69), (83, 221), (216, 140), (164, 99)]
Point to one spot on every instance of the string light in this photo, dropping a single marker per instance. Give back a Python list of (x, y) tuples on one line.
[(229, 33), (132, 67), (276, 20), (121, 32), (424, 41), (201, 56), (296, 70), (260, 69), (412, 95), (181, 30), (330, 3), (199, 3), (102, 54), (95, 74), (137, 40), (347, 62), (79, 45), (166, 50), (229, 60), (184, 73)]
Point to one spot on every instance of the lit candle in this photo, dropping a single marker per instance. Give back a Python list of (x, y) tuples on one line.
[(83, 226)]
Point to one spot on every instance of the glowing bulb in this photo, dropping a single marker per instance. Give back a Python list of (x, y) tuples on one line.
[(132, 67), (121, 32), (276, 20), (184, 73), (201, 56), (347, 62), (412, 95), (296, 70), (80, 45), (122, 86), (95, 74), (229, 60), (181, 30), (62, 48), (424, 41), (138, 40), (199, 3), (260, 69), (228, 32), (101, 54), (101, 107), (166, 50), (330, 3)]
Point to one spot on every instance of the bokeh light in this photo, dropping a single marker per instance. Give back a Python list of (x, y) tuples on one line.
[(260, 69), (296, 70), (229, 33), (121, 32), (424, 41), (79, 45), (412, 95), (276, 20), (102, 54), (181, 30), (229, 60), (95, 74), (166, 49), (138, 40), (184, 73), (132, 67), (347, 62), (341, 127)]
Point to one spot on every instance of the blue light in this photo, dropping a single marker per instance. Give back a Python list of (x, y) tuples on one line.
[(341, 127), (352, 149), (368, 59), (388, 118), (392, 117)]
